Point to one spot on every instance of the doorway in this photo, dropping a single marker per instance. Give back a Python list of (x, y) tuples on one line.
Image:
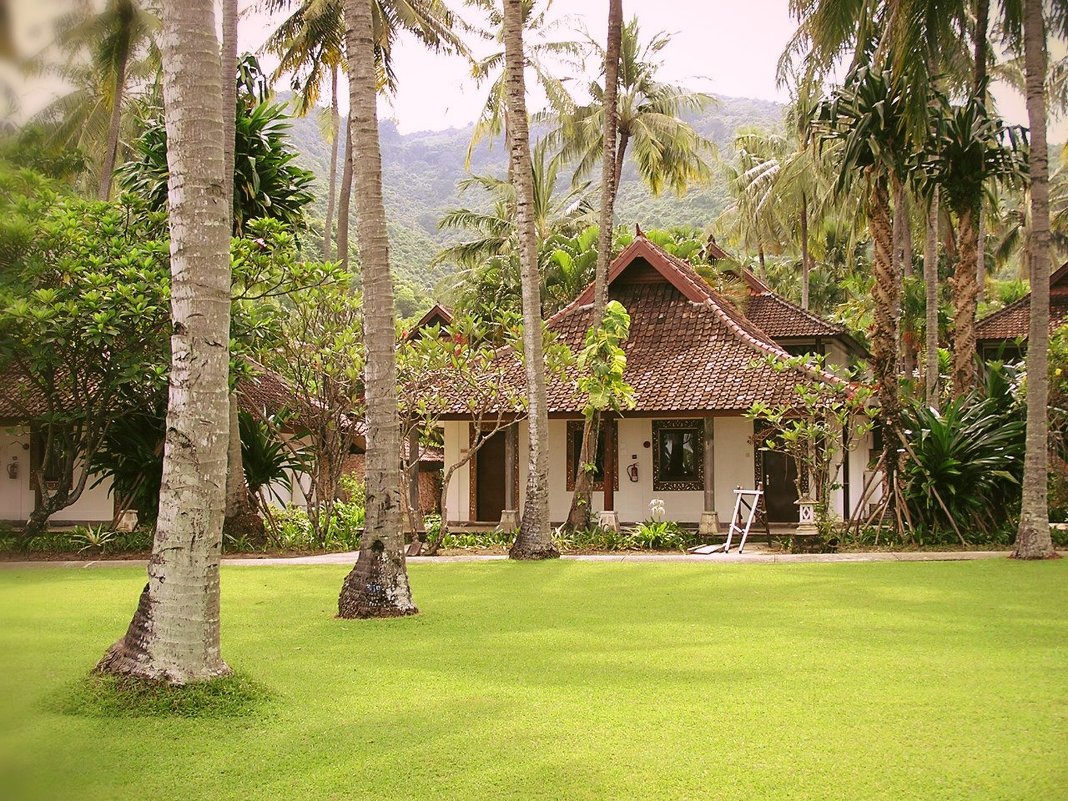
[(780, 486), (490, 478)]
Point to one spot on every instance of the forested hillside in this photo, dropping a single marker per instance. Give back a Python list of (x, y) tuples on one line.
[(421, 171)]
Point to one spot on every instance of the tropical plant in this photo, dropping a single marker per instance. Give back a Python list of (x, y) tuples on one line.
[(540, 49), (534, 540), (267, 182), (866, 118), (101, 54), (131, 458), (968, 147), (667, 152), (964, 464), (269, 463), (174, 634), (378, 584), (83, 328)]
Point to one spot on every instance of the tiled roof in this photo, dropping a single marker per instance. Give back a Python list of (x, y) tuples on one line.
[(689, 349), (21, 399), (1014, 321), (438, 315), (781, 319)]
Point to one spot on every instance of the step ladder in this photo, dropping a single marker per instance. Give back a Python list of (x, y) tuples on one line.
[(748, 503)]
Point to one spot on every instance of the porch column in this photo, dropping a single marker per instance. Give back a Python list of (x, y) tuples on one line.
[(413, 472), (609, 518), (510, 513), (709, 519)]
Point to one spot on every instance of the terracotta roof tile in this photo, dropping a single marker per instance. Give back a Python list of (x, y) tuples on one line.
[(1014, 321), (781, 319)]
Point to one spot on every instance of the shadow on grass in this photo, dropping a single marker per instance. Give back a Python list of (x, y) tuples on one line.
[(96, 696)]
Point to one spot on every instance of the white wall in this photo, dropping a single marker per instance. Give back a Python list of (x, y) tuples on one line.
[(734, 466), (17, 497)]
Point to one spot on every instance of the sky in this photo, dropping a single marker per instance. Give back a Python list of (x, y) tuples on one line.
[(725, 47)]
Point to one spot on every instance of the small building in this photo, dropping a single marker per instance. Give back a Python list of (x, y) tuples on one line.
[(1003, 334), (696, 363)]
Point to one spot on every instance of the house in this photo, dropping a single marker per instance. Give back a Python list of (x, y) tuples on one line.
[(696, 364), (259, 394), (1003, 334)]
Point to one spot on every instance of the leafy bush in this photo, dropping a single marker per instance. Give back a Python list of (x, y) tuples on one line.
[(966, 465), (658, 535), (478, 539)]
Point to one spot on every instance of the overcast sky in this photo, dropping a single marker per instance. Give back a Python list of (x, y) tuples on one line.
[(727, 47)]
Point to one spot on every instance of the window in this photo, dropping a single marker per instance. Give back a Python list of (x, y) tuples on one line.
[(678, 455), (574, 453)]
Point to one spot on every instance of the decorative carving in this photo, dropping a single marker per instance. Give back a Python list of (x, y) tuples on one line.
[(574, 431), (696, 428)]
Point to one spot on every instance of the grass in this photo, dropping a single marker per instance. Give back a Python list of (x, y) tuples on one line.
[(117, 697), (569, 680)]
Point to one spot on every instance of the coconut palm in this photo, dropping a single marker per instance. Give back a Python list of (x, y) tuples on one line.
[(968, 148), (174, 634), (540, 47), (581, 502), (378, 585), (1028, 33), (534, 540), (101, 54), (667, 151), (495, 230), (310, 44)]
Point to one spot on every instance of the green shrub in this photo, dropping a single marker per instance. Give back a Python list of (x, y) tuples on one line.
[(967, 466), (658, 535), (478, 539)]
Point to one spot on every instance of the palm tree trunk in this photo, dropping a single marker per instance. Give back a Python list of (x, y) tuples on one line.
[(107, 169), (174, 634), (763, 265), (804, 251), (930, 280), (241, 521), (535, 538), (1033, 537), (965, 289), (581, 502), (982, 16), (886, 293), (335, 125), (621, 153), (378, 584), (345, 198)]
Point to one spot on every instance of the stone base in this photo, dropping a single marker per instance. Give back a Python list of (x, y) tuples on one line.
[(806, 530), (509, 520), (709, 526), (609, 520)]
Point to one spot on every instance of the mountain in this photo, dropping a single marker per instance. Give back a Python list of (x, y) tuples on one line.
[(421, 170)]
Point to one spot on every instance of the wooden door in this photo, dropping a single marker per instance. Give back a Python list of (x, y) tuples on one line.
[(489, 479), (780, 487)]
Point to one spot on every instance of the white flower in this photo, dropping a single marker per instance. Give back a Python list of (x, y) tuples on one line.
[(656, 509)]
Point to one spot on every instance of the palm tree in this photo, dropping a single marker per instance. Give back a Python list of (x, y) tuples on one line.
[(554, 212), (1033, 536), (174, 634), (534, 540), (540, 49), (968, 148), (102, 54), (866, 118), (784, 184), (378, 585), (667, 151), (579, 516), (310, 45)]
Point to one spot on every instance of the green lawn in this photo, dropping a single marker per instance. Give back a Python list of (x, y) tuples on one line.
[(572, 680)]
